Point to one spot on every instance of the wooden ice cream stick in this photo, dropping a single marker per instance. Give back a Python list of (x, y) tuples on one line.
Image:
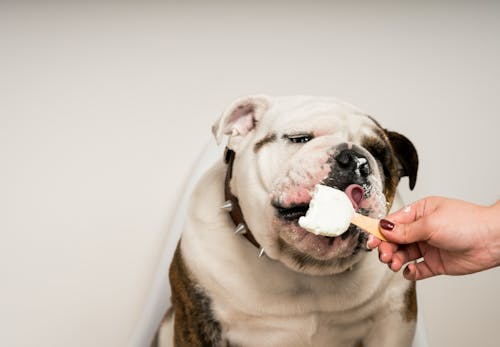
[(368, 224)]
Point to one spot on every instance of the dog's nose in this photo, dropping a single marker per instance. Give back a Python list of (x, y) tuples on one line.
[(350, 160)]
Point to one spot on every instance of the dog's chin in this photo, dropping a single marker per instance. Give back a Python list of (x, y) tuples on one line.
[(319, 255)]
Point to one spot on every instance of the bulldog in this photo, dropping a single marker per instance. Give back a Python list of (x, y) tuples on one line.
[(248, 275)]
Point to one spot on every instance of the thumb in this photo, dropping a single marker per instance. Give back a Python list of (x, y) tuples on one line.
[(405, 233)]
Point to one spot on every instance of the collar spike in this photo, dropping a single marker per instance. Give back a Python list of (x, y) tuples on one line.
[(240, 229), (227, 206), (262, 252)]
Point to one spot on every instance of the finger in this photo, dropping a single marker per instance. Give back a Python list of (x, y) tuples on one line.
[(412, 212), (373, 242), (404, 255), (418, 271), (386, 251), (405, 215), (407, 233)]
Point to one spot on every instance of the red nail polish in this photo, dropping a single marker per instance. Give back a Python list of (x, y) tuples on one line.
[(385, 224)]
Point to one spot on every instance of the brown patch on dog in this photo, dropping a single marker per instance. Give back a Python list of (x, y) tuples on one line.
[(410, 313), (407, 155), (267, 139), (155, 342), (398, 158), (194, 322), (359, 344), (379, 146), (403, 149)]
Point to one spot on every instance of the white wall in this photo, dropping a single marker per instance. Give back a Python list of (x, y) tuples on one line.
[(104, 107)]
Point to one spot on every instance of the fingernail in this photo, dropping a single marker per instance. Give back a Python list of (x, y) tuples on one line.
[(385, 224)]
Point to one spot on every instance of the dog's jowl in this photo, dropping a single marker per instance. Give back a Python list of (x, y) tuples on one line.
[(248, 275)]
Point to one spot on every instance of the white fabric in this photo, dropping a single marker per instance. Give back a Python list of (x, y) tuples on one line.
[(159, 295)]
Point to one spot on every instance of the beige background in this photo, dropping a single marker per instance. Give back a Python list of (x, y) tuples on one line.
[(103, 109)]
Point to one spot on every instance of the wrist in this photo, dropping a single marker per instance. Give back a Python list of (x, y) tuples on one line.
[(492, 221)]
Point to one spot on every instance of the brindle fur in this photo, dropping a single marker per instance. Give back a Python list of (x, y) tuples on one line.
[(411, 304), (194, 324)]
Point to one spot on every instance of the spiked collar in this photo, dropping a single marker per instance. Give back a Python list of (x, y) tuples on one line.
[(232, 205)]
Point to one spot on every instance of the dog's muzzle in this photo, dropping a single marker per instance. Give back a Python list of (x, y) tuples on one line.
[(348, 166)]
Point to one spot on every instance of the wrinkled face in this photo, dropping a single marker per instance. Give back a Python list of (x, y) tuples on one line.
[(294, 144)]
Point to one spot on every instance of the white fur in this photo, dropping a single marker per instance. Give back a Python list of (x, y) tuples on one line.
[(263, 302)]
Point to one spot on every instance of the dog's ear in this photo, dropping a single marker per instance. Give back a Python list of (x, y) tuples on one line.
[(240, 118), (406, 154)]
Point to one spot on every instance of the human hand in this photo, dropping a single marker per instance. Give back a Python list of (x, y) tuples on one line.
[(453, 237)]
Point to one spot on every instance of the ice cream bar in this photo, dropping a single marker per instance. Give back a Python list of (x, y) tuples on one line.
[(331, 212)]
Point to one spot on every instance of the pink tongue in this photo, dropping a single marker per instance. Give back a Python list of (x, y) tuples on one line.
[(355, 193)]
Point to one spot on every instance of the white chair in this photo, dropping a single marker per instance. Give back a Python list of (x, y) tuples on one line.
[(158, 299)]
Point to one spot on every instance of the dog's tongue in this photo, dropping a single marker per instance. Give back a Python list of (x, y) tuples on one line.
[(355, 193)]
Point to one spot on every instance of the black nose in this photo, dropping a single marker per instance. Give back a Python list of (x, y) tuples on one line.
[(350, 160)]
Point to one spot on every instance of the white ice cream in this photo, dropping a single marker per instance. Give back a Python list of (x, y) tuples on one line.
[(330, 212)]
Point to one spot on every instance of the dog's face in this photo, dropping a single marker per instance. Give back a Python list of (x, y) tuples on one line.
[(284, 147)]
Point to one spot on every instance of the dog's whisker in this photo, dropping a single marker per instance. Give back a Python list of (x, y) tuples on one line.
[(240, 229), (227, 206)]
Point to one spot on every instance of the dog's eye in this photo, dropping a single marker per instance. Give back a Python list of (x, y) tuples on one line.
[(299, 138)]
